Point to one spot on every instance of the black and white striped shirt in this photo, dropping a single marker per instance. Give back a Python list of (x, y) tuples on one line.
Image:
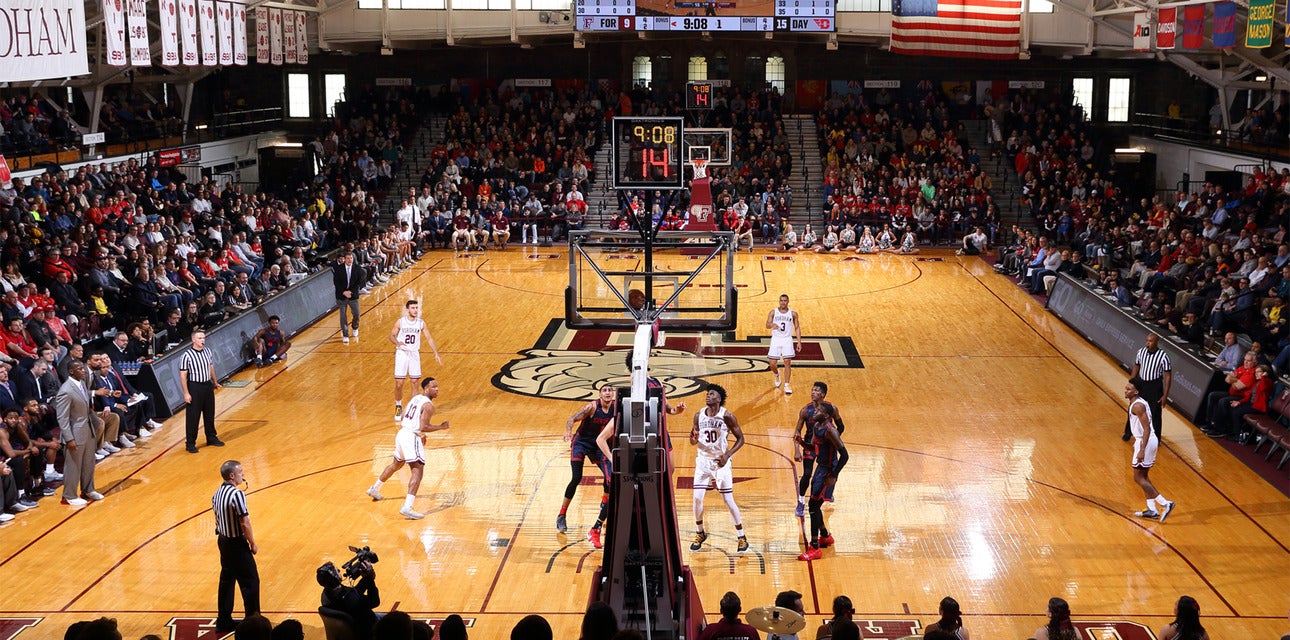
[(229, 504), (1151, 366), (198, 365)]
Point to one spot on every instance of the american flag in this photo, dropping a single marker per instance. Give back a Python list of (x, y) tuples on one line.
[(957, 28)]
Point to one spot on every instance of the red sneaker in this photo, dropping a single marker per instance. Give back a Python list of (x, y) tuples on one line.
[(810, 554), (826, 541), (594, 536)]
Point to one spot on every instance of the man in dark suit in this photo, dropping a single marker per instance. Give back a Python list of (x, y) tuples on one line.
[(27, 381), (348, 278), (8, 392)]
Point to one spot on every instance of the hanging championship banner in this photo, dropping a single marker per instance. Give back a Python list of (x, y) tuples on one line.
[(1224, 35), (224, 17), (302, 39), (168, 14), (189, 53), (1193, 26), (1141, 31), (275, 36), (239, 33), (210, 38), (43, 39), (114, 25), (1166, 28), (262, 35), (289, 49), (140, 51), (1258, 25)]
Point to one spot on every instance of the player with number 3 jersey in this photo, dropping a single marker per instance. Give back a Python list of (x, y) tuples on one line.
[(406, 336), (785, 340)]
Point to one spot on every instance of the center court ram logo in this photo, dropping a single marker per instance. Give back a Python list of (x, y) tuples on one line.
[(570, 364)]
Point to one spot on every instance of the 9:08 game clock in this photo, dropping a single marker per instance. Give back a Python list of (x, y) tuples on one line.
[(647, 153)]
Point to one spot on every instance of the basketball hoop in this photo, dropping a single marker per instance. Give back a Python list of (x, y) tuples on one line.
[(700, 168)]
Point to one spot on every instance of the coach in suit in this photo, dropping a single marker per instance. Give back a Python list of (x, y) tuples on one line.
[(80, 427), (348, 278)]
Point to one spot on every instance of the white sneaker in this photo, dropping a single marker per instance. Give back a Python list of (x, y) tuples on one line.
[(77, 502), (5, 517), (364, 291), (100, 455), (94, 496), (356, 334), (788, 389), (125, 443), (144, 433), (408, 513), (344, 339), (19, 507), (376, 495), (776, 380), (154, 425), (53, 476), (110, 448)]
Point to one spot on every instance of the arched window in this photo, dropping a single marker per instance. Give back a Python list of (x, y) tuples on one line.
[(775, 71), (698, 69), (642, 71)]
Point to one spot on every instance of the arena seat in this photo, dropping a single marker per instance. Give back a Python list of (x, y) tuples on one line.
[(337, 624)]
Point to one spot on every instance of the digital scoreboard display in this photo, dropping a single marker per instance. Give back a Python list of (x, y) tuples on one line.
[(705, 15), (698, 95), (647, 153)]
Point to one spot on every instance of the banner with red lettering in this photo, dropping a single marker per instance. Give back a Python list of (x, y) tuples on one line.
[(239, 33), (43, 39), (137, 15), (1193, 26), (1141, 31), (224, 17), (168, 18), (289, 49), (302, 39), (210, 37), (262, 35), (275, 36), (1224, 35), (190, 54), (1166, 28), (114, 25)]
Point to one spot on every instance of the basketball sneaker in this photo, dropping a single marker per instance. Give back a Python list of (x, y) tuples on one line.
[(594, 536), (376, 495), (1166, 510), (743, 544), (800, 511), (788, 389), (811, 553), (1146, 514), (826, 541), (699, 538), (398, 412), (408, 513), (776, 379), (560, 524)]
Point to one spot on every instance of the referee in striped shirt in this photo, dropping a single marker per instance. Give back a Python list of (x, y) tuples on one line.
[(237, 547), (198, 380), (1152, 366)]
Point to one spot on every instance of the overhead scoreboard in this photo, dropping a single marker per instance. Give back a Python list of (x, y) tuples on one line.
[(705, 15), (647, 152)]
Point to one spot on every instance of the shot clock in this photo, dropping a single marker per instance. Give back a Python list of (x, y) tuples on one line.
[(647, 153)]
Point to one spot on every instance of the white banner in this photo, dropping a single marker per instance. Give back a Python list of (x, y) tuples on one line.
[(289, 49), (302, 39), (167, 12), (140, 54), (190, 55), (1142, 31), (262, 35), (224, 14), (114, 25), (42, 39), (275, 36), (210, 39), (239, 33)]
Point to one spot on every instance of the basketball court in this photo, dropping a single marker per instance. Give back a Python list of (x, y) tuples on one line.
[(985, 464)]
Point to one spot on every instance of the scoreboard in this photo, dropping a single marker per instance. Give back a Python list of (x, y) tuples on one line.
[(704, 15), (646, 152)]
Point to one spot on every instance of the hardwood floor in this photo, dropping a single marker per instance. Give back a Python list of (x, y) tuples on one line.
[(986, 464)]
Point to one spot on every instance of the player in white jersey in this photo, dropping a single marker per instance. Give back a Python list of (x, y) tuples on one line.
[(710, 436), (406, 336), (408, 446), (785, 339), (1145, 443)]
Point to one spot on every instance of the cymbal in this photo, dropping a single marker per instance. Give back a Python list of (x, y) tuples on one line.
[(775, 620)]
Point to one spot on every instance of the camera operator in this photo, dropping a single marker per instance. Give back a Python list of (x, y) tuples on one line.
[(358, 601)]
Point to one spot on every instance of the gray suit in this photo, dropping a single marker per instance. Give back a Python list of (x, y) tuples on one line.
[(77, 421)]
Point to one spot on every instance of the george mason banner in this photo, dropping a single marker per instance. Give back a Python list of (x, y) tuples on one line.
[(42, 39), (1258, 25)]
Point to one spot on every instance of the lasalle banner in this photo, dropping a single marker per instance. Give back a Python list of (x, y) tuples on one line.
[(1258, 24), (42, 39)]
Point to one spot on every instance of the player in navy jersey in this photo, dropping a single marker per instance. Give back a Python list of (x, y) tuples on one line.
[(270, 344), (594, 416), (830, 457), (804, 447)]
